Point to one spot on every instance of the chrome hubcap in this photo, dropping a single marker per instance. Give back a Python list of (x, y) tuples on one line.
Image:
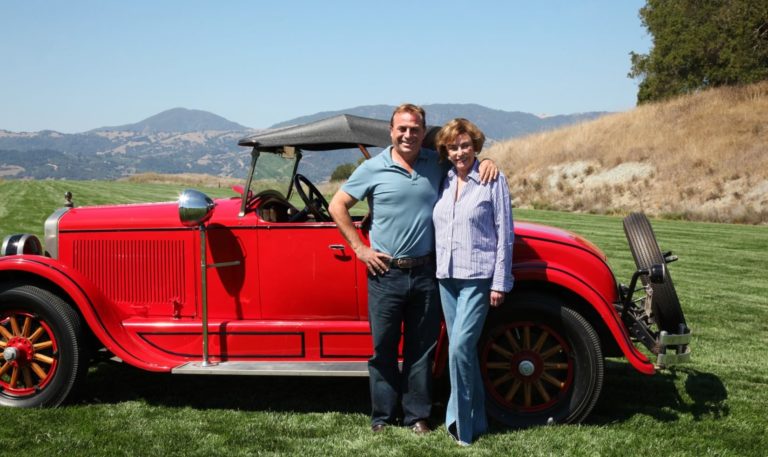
[(10, 354), (526, 368)]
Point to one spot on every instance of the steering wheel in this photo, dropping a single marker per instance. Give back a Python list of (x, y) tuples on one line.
[(313, 200)]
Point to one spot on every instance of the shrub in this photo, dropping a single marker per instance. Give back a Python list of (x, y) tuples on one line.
[(343, 171)]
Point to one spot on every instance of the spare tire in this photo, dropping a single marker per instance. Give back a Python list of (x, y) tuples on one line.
[(665, 304)]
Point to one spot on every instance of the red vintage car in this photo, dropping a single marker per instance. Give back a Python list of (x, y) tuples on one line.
[(257, 284)]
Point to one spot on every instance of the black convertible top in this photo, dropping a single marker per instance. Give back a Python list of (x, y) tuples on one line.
[(344, 131)]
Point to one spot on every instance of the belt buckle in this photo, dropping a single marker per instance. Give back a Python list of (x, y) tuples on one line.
[(405, 262)]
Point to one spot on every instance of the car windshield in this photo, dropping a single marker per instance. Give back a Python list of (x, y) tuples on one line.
[(273, 171)]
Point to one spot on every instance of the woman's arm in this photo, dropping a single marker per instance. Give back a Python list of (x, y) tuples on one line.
[(505, 236)]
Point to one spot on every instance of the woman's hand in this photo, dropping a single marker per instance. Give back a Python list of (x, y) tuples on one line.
[(497, 298)]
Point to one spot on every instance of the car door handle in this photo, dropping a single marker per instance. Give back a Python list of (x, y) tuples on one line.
[(338, 247)]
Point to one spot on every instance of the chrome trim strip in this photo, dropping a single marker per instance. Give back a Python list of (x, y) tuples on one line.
[(276, 368), (51, 231)]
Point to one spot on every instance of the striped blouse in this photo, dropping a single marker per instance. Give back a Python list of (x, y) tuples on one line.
[(474, 235)]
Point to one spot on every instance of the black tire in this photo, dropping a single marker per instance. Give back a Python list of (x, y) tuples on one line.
[(48, 357), (665, 305), (554, 376)]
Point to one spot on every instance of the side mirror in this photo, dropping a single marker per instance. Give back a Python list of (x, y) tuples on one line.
[(195, 208), (657, 273)]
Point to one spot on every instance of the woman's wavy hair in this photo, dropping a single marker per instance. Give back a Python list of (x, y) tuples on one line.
[(450, 131)]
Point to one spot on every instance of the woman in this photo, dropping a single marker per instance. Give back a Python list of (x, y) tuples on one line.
[(473, 233)]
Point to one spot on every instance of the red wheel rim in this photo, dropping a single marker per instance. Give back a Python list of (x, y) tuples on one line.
[(527, 367), (29, 353)]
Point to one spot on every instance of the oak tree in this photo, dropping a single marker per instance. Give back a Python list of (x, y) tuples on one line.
[(699, 44)]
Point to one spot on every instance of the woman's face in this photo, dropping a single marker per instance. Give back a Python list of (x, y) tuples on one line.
[(461, 153)]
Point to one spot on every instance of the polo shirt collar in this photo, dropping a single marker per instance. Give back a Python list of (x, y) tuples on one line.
[(391, 163)]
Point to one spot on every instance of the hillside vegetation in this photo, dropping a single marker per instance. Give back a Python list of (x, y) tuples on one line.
[(702, 156)]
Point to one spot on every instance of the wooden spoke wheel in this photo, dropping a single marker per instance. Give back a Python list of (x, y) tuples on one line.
[(541, 362), (29, 356), (528, 366), (41, 347)]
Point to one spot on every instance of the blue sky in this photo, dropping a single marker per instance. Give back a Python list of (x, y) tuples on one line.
[(74, 66)]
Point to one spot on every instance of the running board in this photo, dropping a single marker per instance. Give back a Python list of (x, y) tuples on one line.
[(275, 368)]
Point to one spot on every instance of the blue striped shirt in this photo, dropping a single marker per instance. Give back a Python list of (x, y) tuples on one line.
[(474, 234)]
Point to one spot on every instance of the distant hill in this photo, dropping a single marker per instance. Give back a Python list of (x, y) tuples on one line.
[(193, 141), (496, 124), (702, 156), (178, 120)]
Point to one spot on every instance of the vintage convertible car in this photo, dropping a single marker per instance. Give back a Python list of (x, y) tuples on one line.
[(254, 284)]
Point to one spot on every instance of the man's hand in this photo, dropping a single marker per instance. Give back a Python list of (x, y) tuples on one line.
[(488, 171), (376, 262), (497, 298)]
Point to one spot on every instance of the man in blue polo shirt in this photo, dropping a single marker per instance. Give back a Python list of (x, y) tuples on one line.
[(402, 184)]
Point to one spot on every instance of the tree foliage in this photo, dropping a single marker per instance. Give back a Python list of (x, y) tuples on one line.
[(343, 171), (699, 44)]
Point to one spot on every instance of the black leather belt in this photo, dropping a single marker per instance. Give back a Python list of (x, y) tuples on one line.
[(411, 262)]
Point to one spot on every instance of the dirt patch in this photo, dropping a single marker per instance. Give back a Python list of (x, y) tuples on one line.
[(590, 174), (10, 170)]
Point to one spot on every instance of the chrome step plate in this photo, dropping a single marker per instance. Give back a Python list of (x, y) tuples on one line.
[(275, 368)]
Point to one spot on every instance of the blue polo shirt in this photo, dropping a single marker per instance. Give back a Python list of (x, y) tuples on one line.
[(401, 202)]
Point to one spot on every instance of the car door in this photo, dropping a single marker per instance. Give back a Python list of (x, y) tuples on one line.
[(306, 272)]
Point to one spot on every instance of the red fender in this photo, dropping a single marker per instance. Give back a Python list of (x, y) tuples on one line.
[(98, 314), (551, 274), (561, 276), (606, 311)]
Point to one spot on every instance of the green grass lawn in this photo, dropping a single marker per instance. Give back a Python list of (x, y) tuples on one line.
[(714, 406)]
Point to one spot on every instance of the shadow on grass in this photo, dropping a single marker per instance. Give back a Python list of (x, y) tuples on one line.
[(664, 396), (111, 382), (626, 393)]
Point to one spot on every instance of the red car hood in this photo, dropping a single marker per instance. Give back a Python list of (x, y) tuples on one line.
[(137, 216), (544, 232)]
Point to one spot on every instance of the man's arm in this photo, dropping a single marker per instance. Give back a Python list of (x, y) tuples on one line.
[(376, 262), (488, 171)]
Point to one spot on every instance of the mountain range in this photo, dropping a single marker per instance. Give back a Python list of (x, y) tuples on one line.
[(193, 141)]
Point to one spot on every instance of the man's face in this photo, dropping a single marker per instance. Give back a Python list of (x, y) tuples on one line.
[(407, 133)]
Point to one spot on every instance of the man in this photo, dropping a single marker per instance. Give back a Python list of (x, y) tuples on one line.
[(402, 185)]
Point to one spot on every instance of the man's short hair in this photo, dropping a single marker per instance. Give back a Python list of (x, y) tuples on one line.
[(409, 108)]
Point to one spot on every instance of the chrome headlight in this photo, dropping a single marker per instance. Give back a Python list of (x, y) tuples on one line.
[(23, 243)]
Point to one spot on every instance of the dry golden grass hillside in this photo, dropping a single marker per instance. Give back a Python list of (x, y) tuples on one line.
[(701, 157)]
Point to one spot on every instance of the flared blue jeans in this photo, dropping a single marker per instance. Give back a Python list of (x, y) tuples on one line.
[(465, 305)]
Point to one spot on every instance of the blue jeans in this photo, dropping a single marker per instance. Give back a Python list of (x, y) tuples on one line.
[(406, 299), (465, 305)]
